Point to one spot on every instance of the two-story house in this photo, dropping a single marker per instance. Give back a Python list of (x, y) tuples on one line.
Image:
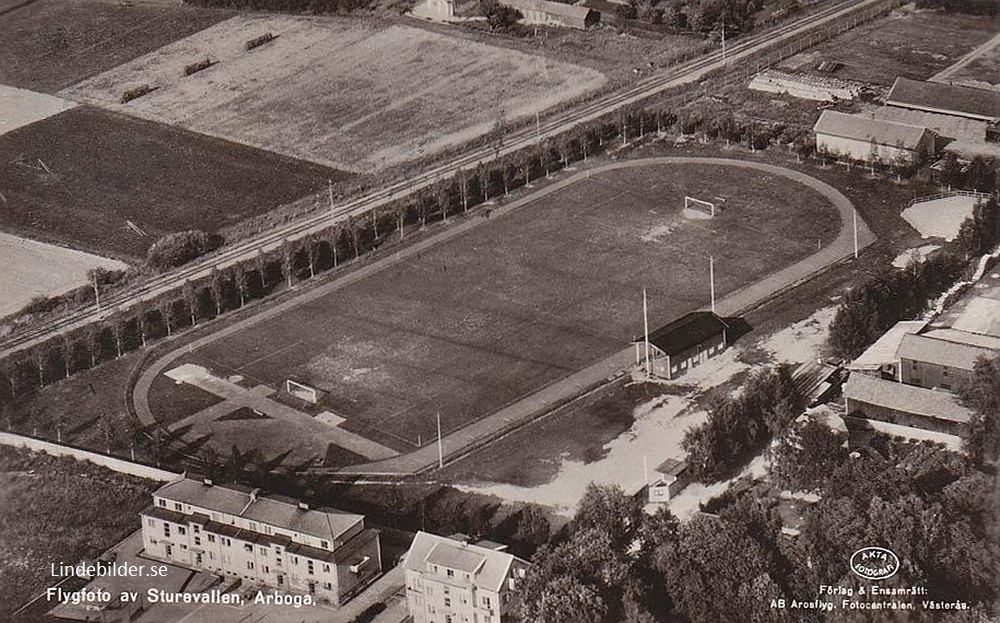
[(450, 580)]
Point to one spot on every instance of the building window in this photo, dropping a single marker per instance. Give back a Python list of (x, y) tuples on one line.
[(197, 559), (451, 573), (178, 506), (151, 522), (197, 540), (309, 566), (281, 580), (166, 529), (248, 548), (328, 586), (447, 602), (486, 603), (325, 544), (163, 503), (227, 542), (170, 551), (197, 528), (211, 538), (326, 568), (181, 530), (250, 565)]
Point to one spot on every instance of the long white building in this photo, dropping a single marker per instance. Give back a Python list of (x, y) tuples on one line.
[(263, 540), (449, 580)]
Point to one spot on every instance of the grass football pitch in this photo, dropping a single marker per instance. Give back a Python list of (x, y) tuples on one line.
[(477, 322)]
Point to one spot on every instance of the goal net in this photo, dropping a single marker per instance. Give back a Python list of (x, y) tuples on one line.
[(690, 203), (302, 391)]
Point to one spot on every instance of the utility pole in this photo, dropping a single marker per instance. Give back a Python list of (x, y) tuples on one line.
[(711, 279), (645, 328), (723, 42), (97, 291), (538, 129), (855, 233), (440, 447), (330, 193)]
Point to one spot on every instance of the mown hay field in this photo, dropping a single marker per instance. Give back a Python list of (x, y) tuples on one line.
[(337, 92), (48, 45)]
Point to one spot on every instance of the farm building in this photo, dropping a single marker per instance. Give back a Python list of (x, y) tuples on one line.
[(933, 362), (906, 405), (881, 359), (546, 13), (683, 344), (863, 138), (815, 88), (945, 99)]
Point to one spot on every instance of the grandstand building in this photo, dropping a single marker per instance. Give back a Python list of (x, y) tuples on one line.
[(683, 344)]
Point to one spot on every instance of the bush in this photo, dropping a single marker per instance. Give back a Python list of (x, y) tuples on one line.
[(874, 306), (256, 42), (738, 428), (136, 93), (178, 249)]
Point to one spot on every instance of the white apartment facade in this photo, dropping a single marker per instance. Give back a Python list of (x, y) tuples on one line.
[(449, 580), (263, 540)]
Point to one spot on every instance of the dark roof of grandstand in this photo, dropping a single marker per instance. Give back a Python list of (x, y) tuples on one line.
[(687, 331)]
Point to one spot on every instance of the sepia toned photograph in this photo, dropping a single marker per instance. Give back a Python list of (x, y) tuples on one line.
[(499, 311)]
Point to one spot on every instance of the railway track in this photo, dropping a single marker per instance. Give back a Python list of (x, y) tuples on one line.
[(684, 74)]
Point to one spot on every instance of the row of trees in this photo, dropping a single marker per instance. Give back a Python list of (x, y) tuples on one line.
[(869, 309), (739, 427), (285, 6), (703, 16)]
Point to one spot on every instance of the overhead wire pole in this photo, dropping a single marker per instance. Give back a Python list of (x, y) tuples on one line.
[(711, 279), (645, 328), (440, 446), (855, 233)]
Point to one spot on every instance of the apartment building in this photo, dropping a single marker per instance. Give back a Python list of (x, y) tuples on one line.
[(452, 580), (265, 540)]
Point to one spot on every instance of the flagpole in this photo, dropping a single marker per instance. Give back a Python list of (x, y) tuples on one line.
[(440, 447), (711, 278), (645, 328)]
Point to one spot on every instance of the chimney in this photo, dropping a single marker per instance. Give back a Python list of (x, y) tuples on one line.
[(303, 506), (208, 481), (253, 495)]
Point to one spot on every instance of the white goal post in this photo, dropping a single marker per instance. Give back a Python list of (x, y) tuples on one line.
[(302, 391), (700, 204)]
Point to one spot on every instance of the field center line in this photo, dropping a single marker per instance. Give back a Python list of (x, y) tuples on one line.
[(269, 355)]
